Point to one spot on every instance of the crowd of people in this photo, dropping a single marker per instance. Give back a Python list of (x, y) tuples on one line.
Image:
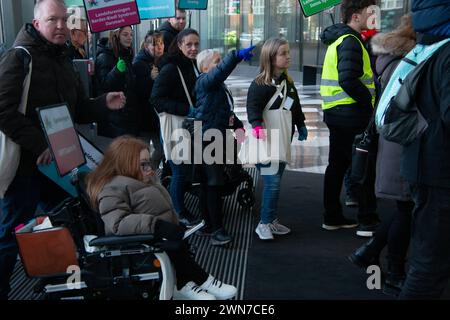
[(147, 96)]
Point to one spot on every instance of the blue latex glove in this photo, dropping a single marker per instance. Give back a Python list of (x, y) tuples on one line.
[(302, 134), (246, 53)]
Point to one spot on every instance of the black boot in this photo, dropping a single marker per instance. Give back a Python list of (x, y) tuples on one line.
[(365, 256), (395, 278)]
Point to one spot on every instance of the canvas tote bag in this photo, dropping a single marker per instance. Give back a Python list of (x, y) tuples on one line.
[(277, 145), (169, 123), (9, 150)]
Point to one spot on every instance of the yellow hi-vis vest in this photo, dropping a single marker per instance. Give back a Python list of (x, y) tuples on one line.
[(331, 91)]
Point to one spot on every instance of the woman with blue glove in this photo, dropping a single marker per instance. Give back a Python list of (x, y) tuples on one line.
[(273, 104), (214, 108)]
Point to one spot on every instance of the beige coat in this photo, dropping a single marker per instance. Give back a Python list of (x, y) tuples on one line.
[(129, 206)]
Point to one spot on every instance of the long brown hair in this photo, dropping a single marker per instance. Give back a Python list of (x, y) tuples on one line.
[(122, 158), (268, 53), (114, 42)]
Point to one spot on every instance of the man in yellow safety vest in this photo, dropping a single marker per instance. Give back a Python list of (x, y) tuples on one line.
[(348, 93)]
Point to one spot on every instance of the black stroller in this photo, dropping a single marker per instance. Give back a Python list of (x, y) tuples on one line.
[(234, 177)]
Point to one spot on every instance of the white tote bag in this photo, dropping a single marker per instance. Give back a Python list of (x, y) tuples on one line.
[(171, 126), (278, 128), (9, 150)]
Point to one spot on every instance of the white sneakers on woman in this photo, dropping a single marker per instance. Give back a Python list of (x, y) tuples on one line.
[(211, 289), (266, 231)]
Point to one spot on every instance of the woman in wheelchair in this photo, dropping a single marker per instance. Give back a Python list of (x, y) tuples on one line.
[(126, 192)]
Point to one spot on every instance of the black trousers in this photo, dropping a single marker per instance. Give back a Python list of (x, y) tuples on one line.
[(339, 160), (186, 268), (429, 269), (395, 233)]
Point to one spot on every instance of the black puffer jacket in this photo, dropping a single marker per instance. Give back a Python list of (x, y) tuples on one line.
[(169, 34), (53, 80), (142, 67), (427, 160), (259, 95), (128, 119), (350, 69), (168, 94)]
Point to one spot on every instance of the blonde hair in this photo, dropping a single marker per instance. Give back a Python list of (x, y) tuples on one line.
[(268, 53), (122, 158)]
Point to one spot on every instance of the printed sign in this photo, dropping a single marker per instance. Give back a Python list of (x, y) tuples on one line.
[(156, 9), (62, 138), (311, 7), (106, 15), (193, 4)]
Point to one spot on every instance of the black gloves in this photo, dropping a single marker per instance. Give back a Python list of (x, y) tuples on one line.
[(169, 231)]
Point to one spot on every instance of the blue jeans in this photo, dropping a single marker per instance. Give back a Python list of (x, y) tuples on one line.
[(271, 192), (177, 187), (18, 206)]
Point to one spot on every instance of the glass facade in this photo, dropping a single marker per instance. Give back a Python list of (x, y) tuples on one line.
[(229, 24), (2, 36)]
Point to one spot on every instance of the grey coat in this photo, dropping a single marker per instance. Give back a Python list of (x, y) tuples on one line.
[(389, 184), (129, 206)]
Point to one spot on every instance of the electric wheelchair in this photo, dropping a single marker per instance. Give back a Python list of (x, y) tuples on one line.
[(113, 267)]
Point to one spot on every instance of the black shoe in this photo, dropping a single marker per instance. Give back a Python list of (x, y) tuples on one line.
[(366, 230), (220, 237), (363, 258), (351, 201), (204, 232), (188, 219), (393, 284), (338, 222)]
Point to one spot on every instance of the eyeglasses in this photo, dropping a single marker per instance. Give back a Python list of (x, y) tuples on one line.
[(146, 166)]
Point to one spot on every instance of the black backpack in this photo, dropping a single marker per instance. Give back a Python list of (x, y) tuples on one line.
[(403, 121)]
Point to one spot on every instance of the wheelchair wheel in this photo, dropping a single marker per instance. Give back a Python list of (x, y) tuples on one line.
[(246, 198)]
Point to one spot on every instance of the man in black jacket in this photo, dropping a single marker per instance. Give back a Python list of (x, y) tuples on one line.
[(172, 27), (426, 162), (53, 80), (348, 92)]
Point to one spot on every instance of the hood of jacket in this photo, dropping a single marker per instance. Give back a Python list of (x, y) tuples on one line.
[(332, 33), (28, 36), (103, 48), (167, 27), (144, 56), (392, 43), (428, 14)]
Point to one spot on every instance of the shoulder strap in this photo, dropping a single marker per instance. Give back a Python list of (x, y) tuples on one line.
[(283, 86), (186, 91), (26, 83)]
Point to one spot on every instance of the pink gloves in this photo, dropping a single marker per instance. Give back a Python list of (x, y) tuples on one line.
[(258, 133)]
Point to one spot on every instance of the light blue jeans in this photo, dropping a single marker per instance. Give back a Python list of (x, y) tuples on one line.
[(271, 191)]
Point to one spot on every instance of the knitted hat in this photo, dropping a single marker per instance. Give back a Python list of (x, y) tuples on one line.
[(429, 14)]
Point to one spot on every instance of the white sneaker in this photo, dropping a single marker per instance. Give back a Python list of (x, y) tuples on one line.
[(191, 291), (263, 231), (277, 228), (219, 289)]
